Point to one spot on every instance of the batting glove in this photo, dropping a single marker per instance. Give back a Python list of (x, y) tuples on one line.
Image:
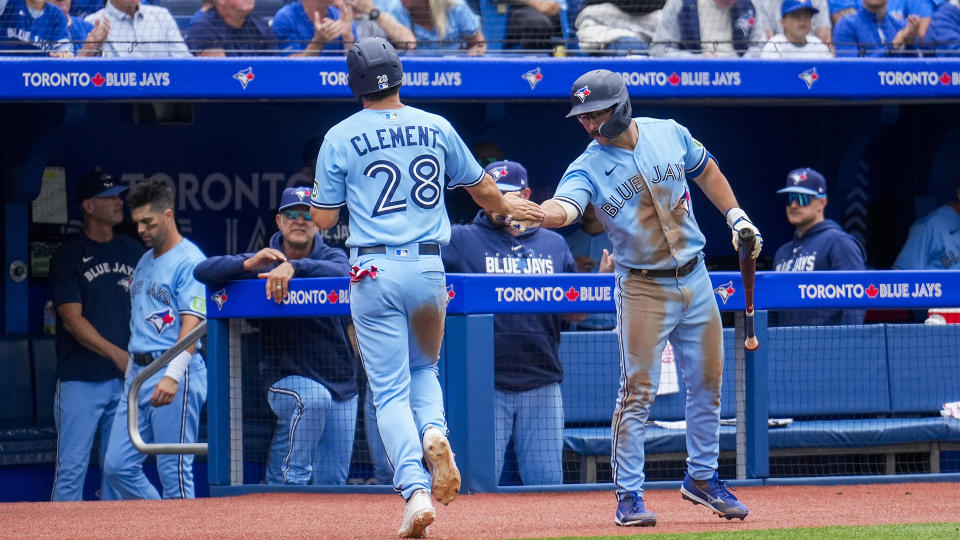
[(737, 220)]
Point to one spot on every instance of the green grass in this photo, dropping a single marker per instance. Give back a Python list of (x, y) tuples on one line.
[(919, 530)]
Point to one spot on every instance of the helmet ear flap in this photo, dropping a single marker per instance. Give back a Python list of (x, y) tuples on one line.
[(620, 120)]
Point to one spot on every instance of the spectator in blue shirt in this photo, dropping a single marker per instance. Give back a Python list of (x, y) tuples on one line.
[(923, 9), (440, 24), (527, 371), (87, 39), (306, 27), (229, 30), (871, 31), (818, 244), (943, 36), (33, 26)]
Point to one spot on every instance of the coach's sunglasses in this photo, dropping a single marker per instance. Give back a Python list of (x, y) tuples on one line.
[(292, 215), (800, 198)]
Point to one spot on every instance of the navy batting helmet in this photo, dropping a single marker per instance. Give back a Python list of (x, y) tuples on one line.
[(373, 65), (598, 90)]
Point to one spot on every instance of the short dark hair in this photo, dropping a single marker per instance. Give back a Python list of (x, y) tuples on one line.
[(155, 192), (381, 94)]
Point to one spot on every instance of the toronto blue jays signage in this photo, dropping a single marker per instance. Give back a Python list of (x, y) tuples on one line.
[(478, 78)]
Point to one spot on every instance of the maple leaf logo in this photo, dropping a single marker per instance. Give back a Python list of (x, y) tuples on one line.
[(572, 294), (674, 79), (450, 292), (333, 296), (871, 291), (97, 79)]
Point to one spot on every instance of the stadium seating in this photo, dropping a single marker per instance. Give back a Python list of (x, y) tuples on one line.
[(27, 434), (874, 389)]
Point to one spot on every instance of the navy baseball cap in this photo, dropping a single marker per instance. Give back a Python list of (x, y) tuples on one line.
[(789, 6), (509, 175), (806, 181), (294, 196), (97, 183)]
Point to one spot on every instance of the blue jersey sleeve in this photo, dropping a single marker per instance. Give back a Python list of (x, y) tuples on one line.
[(913, 256), (575, 187), (190, 293), (329, 186), (461, 167), (463, 19), (695, 155)]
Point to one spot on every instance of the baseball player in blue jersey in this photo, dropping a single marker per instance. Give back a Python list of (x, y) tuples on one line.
[(309, 368), (167, 303), (388, 164), (635, 173), (934, 240), (527, 372), (90, 283)]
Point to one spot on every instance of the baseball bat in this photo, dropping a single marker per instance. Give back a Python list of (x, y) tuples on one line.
[(748, 271)]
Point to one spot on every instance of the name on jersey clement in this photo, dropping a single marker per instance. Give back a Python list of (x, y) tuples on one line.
[(401, 136)]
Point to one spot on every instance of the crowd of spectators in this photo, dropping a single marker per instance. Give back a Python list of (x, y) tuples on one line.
[(768, 29)]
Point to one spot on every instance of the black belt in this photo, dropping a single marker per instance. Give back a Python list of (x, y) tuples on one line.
[(142, 359), (671, 272), (426, 248)]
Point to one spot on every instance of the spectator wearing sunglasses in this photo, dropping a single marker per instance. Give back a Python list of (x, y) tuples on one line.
[(307, 364), (818, 244)]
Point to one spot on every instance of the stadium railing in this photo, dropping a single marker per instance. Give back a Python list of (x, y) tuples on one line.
[(812, 402)]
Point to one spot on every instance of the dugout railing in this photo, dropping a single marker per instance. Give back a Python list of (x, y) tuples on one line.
[(806, 401)]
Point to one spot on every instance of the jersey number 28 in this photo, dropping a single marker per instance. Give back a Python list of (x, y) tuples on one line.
[(426, 192)]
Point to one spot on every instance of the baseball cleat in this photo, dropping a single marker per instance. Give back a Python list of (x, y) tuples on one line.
[(443, 469), (418, 514), (632, 513), (713, 494)]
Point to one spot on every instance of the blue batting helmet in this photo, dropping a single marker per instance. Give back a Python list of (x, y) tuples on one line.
[(373, 65), (598, 90)]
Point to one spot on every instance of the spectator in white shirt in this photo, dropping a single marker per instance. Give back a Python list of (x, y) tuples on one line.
[(140, 30), (769, 13), (796, 41)]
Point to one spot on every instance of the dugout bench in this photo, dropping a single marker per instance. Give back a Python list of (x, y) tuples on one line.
[(28, 380), (873, 389)]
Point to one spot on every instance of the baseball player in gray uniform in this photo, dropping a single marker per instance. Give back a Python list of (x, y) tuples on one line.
[(635, 173), (388, 164)]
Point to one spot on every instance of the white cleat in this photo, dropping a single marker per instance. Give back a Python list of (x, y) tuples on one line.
[(418, 514), (443, 469)]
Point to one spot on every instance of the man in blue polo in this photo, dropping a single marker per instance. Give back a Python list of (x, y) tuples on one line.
[(818, 244), (527, 370)]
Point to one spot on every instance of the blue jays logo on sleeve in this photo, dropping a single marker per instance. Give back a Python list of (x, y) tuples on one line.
[(725, 291), (582, 93), (161, 320), (219, 297)]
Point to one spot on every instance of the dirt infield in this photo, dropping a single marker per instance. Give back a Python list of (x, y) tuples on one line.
[(474, 516)]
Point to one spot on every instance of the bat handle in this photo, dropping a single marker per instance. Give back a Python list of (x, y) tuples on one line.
[(747, 238)]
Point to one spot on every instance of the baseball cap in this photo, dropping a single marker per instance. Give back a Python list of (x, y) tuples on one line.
[(806, 181), (509, 175), (294, 196), (789, 6), (97, 183)]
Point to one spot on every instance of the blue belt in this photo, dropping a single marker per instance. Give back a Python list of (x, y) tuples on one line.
[(426, 248)]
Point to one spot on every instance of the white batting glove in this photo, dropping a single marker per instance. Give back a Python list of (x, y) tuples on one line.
[(737, 220)]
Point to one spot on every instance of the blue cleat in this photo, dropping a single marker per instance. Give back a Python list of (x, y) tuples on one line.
[(632, 513), (713, 494)]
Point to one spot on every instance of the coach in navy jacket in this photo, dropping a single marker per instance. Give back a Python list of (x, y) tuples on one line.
[(308, 365), (527, 370), (818, 244)]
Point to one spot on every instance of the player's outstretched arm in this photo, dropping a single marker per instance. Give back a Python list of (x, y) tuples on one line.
[(558, 214), (488, 196)]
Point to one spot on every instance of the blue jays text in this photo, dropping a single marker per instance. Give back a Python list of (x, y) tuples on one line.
[(395, 137), (635, 184), (154, 290)]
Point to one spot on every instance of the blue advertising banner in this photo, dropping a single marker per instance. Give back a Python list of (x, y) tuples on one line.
[(582, 293), (490, 77)]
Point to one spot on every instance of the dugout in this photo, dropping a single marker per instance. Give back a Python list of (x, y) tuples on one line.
[(229, 134)]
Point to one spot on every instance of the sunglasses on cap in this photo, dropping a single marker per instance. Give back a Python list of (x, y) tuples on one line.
[(292, 215), (800, 198)]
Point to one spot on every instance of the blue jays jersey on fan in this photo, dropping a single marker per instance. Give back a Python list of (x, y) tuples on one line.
[(641, 196), (392, 178), (933, 243), (19, 30), (163, 290)]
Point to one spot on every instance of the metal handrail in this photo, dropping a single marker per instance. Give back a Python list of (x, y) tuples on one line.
[(133, 409)]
